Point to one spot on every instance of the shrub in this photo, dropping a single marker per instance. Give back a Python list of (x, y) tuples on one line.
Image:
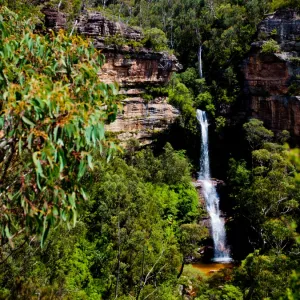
[(270, 46), (274, 32), (294, 89), (155, 39), (277, 4), (296, 61)]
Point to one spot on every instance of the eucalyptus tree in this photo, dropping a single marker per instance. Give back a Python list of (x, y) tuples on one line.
[(265, 197), (52, 114)]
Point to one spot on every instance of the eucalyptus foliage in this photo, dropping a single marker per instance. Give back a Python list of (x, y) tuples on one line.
[(52, 114)]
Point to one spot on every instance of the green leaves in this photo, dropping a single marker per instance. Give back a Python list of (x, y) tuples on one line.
[(52, 118), (270, 46), (27, 121), (82, 169), (1, 122), (37, 162), (256, 133), (137, 210), (265, 197), (46, 227)]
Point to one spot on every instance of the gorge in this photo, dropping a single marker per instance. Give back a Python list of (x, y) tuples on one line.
[(269, 79), (106, 109)]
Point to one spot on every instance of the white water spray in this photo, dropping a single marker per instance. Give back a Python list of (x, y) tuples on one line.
[(221, 252)]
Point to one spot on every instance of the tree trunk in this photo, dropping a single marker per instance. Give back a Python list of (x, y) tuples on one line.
[(119, 256), (181, 270), (142, 275)]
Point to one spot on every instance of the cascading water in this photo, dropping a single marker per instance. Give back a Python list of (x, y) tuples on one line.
[(221, 252), (200, 61)]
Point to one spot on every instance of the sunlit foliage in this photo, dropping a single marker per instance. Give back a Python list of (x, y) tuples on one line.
[(52, 114)]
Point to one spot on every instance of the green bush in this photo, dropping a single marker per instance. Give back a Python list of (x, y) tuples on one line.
[(271, 46), (274, 32), (155, 39), (205, 101), (117, 40), (296, 61), (220, 123), (277, 4), (294, 89)]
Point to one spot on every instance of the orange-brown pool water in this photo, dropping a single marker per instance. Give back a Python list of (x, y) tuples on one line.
[(211, 268)]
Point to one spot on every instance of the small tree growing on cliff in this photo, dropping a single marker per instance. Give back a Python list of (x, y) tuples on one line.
[(271, 46), (156, 39), (256, 133)]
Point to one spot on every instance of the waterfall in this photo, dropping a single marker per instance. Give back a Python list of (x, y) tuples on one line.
[(221, 251), (200, 61)]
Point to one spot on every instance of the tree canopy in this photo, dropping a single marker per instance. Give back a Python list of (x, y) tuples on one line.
[(80, 220)]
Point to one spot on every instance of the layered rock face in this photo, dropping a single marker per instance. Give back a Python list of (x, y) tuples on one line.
[(272, 81), (95, 25), (133, 70), (54, 19), (140, 119)]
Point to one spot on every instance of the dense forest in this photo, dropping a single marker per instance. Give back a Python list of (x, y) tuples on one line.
[(83, 217)]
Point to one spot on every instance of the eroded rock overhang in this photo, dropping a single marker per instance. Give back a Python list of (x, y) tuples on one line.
[(132, 68)]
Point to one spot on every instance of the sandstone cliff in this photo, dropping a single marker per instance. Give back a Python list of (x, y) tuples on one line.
[(272, 81), (132, 68)]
